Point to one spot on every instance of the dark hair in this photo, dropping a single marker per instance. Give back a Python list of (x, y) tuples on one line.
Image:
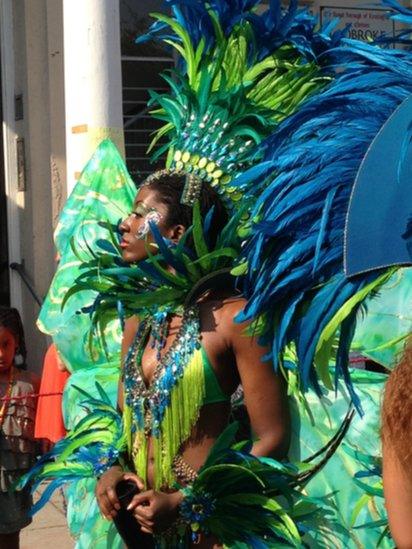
[(11, 320), (169, 189)]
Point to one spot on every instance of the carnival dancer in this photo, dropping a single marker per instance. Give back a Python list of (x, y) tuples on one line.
[(105, 170), (203, 352), (275, 117), (18, 390)]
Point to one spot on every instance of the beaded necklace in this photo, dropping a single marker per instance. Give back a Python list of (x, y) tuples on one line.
[(149, 402)]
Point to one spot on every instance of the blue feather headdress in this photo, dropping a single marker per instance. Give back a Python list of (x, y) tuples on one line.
[(242, 74)]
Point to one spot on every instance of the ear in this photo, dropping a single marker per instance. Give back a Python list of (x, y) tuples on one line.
[(175, 233)]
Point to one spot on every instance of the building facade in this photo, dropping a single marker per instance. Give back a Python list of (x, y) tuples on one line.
[(32, 180)]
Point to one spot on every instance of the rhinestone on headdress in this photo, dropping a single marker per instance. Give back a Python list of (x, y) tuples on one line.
[(192, 188)]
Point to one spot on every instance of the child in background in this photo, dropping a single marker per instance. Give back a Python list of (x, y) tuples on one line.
[(17, 446)]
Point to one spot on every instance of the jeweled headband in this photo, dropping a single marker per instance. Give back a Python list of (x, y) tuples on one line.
[(192, 188)]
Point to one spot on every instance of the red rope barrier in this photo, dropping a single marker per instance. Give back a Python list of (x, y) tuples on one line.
[(30, 395), (357, 360)]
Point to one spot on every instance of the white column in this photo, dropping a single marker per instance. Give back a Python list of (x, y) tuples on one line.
[(10, 154), (93, 80)]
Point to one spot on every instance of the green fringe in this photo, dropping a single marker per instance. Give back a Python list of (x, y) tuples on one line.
[(180, 417), (127, 425), (137, 446), (140, 455)]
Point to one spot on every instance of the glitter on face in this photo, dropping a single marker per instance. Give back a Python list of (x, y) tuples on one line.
[(149, 216)]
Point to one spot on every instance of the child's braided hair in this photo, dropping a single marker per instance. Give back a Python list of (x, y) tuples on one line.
[(11, 320)]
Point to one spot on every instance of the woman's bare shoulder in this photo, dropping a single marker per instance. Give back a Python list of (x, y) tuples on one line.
[(223, 310), (234, 303)]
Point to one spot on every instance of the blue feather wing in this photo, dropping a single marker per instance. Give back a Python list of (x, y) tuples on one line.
[(296, 244)]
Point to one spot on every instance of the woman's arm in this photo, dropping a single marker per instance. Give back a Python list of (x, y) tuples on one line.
[(264, 391)]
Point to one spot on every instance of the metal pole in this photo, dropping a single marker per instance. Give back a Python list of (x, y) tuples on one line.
[(19, 268)]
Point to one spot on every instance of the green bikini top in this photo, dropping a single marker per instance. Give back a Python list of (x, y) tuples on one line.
[(213, 391)]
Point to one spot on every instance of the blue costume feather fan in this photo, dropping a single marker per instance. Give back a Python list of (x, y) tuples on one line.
[(295, 255)]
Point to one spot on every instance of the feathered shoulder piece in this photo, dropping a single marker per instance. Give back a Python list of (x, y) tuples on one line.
[(148, 287)]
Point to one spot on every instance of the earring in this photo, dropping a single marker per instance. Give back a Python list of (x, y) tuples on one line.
[(18, 359)]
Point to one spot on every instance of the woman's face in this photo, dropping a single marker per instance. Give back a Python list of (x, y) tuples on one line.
[(135, 229), (8, 347)]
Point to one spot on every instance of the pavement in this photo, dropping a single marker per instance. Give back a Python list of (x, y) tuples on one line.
[(49, 525)]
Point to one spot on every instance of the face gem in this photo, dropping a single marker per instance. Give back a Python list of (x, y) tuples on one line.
[(152, 216)]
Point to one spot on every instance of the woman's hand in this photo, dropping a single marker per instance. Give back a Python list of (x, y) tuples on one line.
[(155, 511), (106, 490)]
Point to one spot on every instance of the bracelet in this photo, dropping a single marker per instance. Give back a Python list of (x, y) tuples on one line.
[(196, 507), (105, 461), (113, 458)]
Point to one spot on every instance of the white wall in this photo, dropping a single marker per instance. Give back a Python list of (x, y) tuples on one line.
[(93, 80)]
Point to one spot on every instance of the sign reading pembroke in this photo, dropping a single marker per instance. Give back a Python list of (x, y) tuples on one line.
[(365, 24)]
